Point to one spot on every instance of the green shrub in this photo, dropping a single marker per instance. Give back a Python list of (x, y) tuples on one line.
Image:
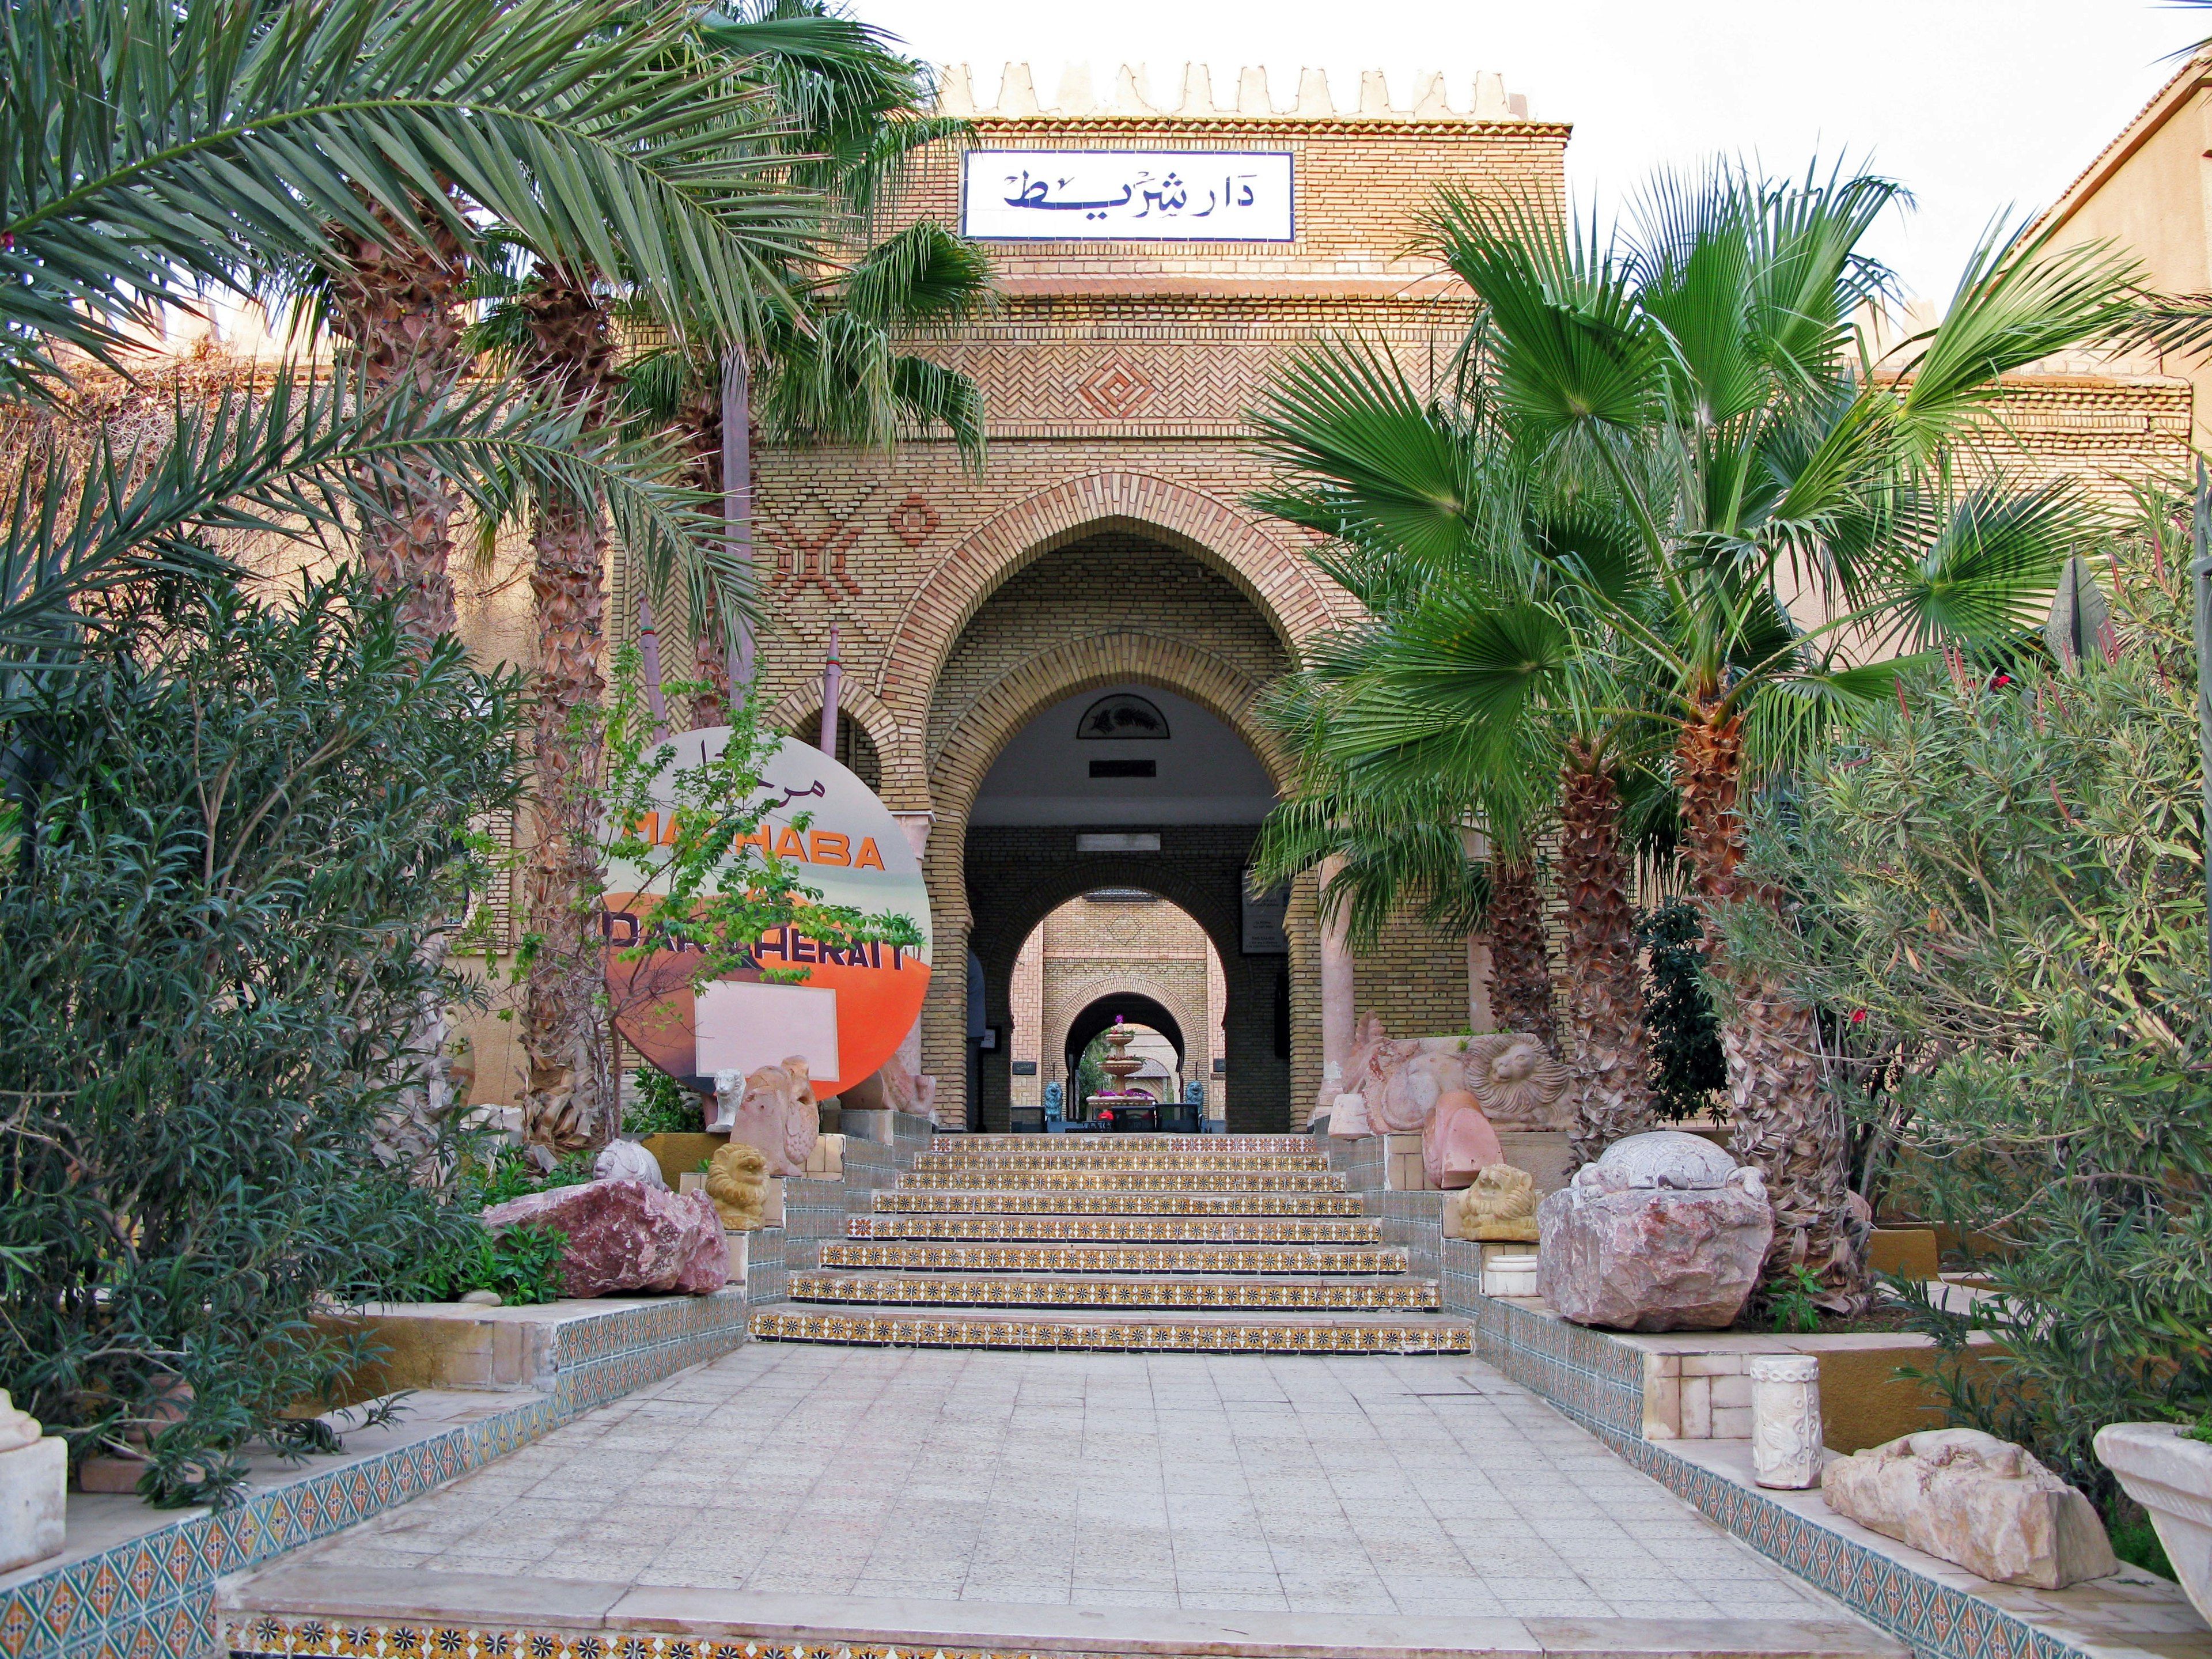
[(2001, 909), (1680, 1030), (233, 829), (523, 1264), (664, 1106)]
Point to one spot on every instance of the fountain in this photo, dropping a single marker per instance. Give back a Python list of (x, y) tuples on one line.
[(1118, 1106)]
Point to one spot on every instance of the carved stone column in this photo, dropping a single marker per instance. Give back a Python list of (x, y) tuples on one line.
[(1338, 994), (1785, 1421)]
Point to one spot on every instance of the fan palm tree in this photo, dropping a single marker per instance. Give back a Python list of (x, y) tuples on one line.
[(1477, 583), (1702, 381)]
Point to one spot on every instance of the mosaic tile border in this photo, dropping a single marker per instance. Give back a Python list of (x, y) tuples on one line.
[(1151, 1336), (1114, 1259), (1598, 1382), (1107, 1230), (1117, 1204), (1413, 1297), (970, 1179), (152, 1597)]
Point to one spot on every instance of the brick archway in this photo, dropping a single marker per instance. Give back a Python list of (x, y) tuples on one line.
[(1296, 600), (957, 769)]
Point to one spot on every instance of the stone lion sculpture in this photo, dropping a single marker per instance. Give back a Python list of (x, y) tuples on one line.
[(773, 1109), (1403, 1101), (1517, 1083), (736, 1182), (1500, 1207)]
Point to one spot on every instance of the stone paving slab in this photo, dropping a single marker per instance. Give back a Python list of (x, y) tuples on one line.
[(1396, 1486)]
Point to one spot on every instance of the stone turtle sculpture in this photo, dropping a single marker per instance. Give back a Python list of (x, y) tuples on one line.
[(1664, 1232)]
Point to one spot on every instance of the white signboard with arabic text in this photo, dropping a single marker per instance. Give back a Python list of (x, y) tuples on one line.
[(1127, 195)]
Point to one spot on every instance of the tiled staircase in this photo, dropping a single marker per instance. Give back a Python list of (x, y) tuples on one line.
[(1156, 1243)]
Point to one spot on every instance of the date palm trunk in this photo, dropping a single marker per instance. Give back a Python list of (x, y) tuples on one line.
[(570, 1101), (1605, 981), (396, 306), (1785, 1120), (710, 652), (1520, 955)]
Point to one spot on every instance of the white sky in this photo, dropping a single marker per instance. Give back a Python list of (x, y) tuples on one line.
[(1977, 106)]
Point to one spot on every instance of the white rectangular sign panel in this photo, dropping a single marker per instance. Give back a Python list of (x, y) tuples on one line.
[(743, 1026), (1126, 196)]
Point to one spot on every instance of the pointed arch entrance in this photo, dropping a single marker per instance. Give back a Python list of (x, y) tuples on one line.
[(1031, 814)]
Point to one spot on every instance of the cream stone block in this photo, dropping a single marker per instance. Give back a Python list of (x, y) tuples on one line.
[(827, 1161), (1697, 1409), (1731, 1391), (1730, 1423), (33, 1499), (1662, 1396), (1970, 1497), (1712, 1365), (1403, 1169), (740, 1254)]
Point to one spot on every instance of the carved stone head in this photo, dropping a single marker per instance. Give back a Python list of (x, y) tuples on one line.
[(1500, 1193), (1514, 1081)]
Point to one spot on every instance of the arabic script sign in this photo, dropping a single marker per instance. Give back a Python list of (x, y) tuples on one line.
[(1127, 195)]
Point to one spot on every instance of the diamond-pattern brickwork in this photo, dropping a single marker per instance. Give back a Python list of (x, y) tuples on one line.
[(1157, 1243)]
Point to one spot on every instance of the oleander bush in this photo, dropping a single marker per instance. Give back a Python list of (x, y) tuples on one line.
[(232, 827), (1998, 900)]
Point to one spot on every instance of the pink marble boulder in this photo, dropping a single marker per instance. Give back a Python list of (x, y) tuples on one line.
[(1457, 1142), (625, 1235), (1658, 1235)]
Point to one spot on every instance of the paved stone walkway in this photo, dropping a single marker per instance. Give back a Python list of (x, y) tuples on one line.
[(1410, 1485)]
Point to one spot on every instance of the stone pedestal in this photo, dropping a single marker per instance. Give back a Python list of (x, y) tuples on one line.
[(1785, 1421), (1509, 1273), (33, 1499)]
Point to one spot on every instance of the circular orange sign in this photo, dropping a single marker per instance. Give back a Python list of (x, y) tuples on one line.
[(853, 1007)]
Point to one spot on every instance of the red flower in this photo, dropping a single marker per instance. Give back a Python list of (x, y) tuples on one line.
[(1858, 1016)]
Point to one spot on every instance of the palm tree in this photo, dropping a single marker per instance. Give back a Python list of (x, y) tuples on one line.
[(1439, 592), (828, 339), (826, 369), (1702, 381)]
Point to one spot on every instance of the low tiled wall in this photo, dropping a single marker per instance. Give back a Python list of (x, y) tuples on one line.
[(1600, 1379), (153, 1594)]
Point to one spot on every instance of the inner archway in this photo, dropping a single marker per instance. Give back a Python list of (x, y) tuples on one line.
[(1094, 729)]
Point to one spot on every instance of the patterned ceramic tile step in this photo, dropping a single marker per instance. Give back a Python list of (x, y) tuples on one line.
[(1113, 1258), (1220, 1332), (967, 1180), (1116, 1203), (997, 1291), (392, 1613), (1113, 1230), (1112, 1143), (1116, 1158)]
